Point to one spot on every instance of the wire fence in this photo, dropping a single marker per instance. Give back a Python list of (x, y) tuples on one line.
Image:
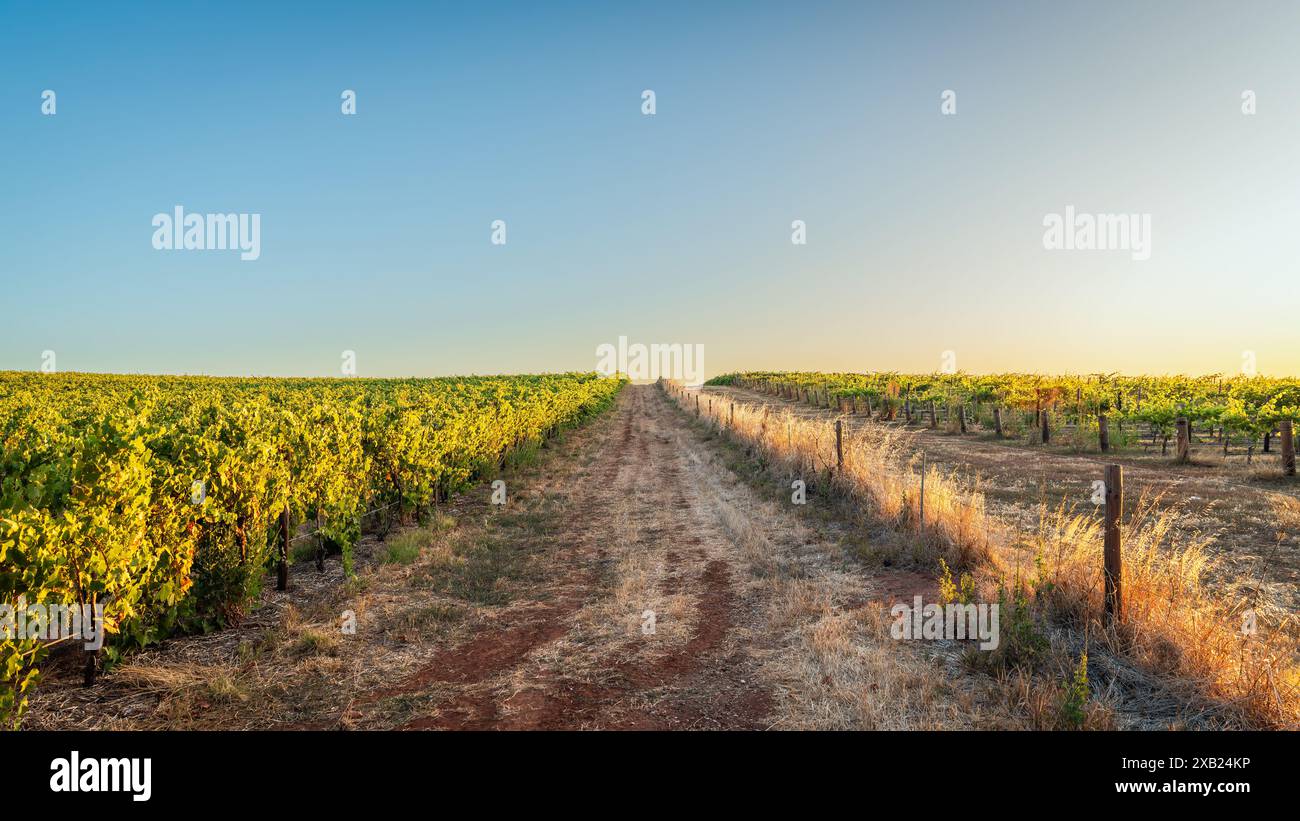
[(1078, 456), (320, 530)]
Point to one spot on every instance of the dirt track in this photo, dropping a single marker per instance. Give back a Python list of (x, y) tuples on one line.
[(635, 518)]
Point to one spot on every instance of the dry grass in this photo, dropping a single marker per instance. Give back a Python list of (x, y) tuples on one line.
[(637, 582), (172, 679), (1173, 625), (1287, 511), (1174, 628), (824, 630), (840, 669)]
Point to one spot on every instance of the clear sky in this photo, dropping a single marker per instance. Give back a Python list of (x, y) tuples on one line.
[(924, 231)]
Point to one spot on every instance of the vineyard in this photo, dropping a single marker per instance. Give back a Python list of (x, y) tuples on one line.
[(1210, 610), (166, 500), (1099, 412), (650, 570)]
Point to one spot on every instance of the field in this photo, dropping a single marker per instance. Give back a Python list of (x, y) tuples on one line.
[(1213, 597), (163, 501), (1232, 483), (565, 552)]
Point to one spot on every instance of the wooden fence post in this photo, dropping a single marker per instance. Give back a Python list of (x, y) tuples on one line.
[(839, 445), (731, 423), (934, 419), (1288, 449), (997, 422), (961, 417), (92, 656), (320, 539), (921, 506), (1044, 418), (1103, 432), (1114, 567), (282, 571), (1183, 445)]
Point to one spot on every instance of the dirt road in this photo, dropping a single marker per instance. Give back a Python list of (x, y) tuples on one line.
[(671, 606), (642, 628)]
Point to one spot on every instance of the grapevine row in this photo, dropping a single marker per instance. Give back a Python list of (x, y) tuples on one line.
[(1244, 406), (160, 498)]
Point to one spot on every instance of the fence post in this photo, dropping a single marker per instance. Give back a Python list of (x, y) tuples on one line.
[(839, 445), (997, 422), (934, 420), (732, 422), (92, 656), (961, 417), (1047, 425), (1114, 569), (282, 571), (1183, 448), (697, 405), (1103, 432), (320, 540), (1288, 449), (922, 498)]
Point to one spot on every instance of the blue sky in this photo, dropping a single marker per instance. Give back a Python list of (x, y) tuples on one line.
[(924, 231)]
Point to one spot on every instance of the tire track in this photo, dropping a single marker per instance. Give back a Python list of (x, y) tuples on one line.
[(541, 670)]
